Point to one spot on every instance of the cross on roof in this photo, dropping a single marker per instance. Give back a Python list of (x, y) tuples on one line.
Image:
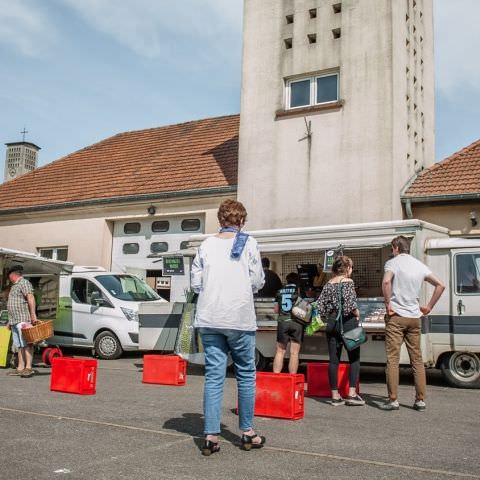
[(23, 133)]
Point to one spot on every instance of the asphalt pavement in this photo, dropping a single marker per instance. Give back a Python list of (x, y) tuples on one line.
[(130, 430)]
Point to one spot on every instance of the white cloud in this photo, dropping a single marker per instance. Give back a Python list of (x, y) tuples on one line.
[(155, 28), (457, 45), (25, 27)]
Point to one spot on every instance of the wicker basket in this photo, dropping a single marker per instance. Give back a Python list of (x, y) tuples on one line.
[(38, 332)]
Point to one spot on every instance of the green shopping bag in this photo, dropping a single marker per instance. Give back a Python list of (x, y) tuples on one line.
[(316, 324)]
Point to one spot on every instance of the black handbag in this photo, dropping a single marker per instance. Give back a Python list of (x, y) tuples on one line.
[(355, 337)]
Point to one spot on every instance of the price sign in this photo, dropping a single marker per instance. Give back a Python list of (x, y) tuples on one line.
[(173, 266)]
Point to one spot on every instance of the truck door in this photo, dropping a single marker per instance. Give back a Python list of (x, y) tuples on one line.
[(465, 305), (86, 316)]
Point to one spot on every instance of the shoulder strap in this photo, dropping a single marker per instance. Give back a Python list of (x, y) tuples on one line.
[(340, 307)]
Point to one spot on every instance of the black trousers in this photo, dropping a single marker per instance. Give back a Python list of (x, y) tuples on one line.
[(335, 346)]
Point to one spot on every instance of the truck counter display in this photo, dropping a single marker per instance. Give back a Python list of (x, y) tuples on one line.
[(450, 333)]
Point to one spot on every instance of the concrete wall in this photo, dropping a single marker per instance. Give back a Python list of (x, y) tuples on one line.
[(454, 217), (357, 163), (88, 232)]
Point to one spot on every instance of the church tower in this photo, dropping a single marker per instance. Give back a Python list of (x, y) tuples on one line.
[(337, 109), (21, 158)]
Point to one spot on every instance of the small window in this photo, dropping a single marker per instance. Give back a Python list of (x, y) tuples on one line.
[(337, 8), (312, 91), (184, 244), (327, 89), (312, 38), (130, 248), (55, 253), (337, 33), (158, 247), (46, 252), (191, 225), (288, 43), (130, 228), (289, 18), (467, 273), (313, 13), (160, 226), (300, 93)]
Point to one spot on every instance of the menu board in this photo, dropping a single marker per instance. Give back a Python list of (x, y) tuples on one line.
[(173, 266)]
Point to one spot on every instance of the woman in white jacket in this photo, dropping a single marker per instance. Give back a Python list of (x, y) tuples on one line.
[(226, 271)]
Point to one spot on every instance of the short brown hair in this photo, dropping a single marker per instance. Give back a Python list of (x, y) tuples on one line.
[(401, 243), (231, 213), (341, 265)]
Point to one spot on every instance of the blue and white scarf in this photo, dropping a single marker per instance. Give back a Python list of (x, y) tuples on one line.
[(239, 242)]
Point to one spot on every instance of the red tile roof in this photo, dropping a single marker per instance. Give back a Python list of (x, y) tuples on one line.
[(458, 174), (185, 157)]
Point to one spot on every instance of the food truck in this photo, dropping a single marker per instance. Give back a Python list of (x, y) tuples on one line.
[(450, 333)]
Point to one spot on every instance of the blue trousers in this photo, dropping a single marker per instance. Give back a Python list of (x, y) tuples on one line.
[(217, 343)]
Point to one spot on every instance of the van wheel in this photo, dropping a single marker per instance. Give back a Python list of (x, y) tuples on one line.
[(260, 361), (107, 346), (461, 369)]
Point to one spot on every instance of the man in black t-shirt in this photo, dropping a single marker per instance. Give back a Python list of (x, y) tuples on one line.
[(288, 330), (272, 281)]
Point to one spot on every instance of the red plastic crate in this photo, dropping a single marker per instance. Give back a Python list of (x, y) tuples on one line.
[(74, 375), (280, 395), (317, 380), (164, 370)]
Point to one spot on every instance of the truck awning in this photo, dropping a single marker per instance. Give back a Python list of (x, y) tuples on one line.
[(325, 244), (33, 264)]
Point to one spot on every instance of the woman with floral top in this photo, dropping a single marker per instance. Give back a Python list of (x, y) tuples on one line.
[(328, 307)]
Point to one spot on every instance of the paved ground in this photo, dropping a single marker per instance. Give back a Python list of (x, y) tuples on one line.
[(129, 430)]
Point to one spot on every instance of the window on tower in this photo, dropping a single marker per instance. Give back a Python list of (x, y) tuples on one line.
[(311, 91)]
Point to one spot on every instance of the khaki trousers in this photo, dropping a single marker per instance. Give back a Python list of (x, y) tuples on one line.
[(398, 330)]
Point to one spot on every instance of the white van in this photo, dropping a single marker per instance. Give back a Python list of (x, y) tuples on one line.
[(90, 307), (99, 310)]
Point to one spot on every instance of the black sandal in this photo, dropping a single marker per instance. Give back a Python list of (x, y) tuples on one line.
[(210, 447), (248, 443)]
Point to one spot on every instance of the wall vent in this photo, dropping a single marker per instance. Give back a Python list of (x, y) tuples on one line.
[(337, 33)]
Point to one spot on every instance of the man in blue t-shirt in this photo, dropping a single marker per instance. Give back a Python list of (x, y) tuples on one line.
[(288, 330)]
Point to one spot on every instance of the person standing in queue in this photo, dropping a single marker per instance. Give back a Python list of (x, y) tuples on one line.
[(328, 306), (402, 281), (272, 281), (226, 271), (288, 330)]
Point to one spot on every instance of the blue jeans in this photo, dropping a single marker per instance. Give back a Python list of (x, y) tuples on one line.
[(217, 343)]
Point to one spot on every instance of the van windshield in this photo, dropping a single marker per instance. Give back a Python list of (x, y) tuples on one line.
[(128, 288)]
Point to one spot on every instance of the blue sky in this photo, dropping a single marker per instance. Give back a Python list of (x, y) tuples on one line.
[(77, 71)]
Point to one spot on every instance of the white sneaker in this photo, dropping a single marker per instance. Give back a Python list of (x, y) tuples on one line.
[(419, 405), (390, 405)]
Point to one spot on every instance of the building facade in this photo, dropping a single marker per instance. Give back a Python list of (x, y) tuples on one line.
[(337, 109), (448, 193), (125, 200)]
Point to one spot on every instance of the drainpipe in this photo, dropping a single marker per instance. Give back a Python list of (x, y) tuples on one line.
[(407, 201)]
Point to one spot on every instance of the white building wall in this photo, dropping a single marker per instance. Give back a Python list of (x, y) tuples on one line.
[(89, 232), (358, 160)]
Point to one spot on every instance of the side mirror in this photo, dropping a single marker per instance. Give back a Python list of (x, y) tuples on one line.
[(97, 299)]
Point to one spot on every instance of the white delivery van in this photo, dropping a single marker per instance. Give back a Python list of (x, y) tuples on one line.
[(90, 307), (450, 333), (99, 310)]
